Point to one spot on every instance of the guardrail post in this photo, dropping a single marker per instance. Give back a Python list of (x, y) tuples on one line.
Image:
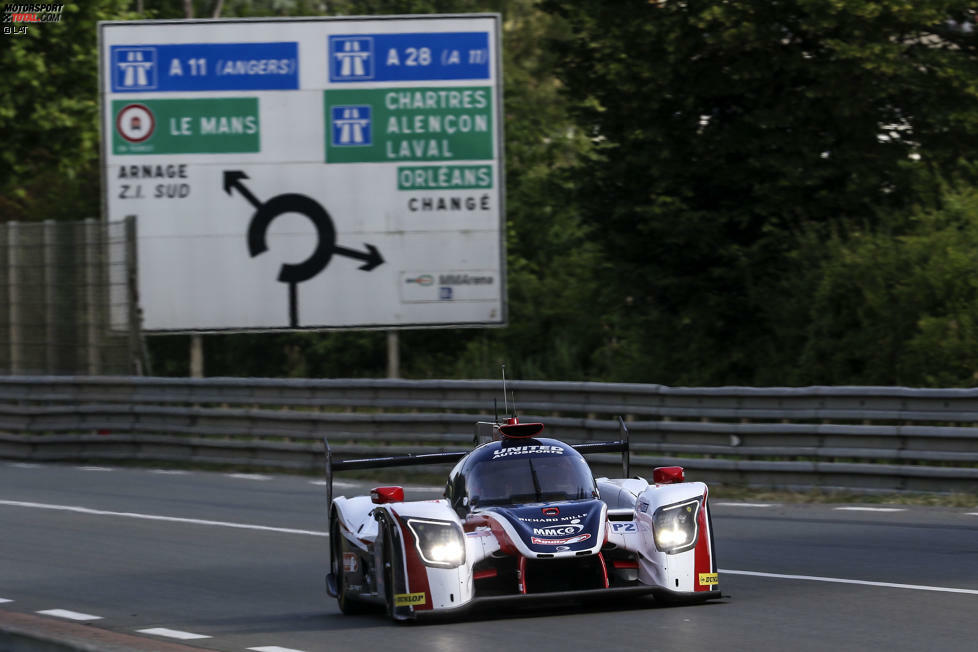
[(196, 355), (13, 294), (393, 355), (50, 296), (91, 230)]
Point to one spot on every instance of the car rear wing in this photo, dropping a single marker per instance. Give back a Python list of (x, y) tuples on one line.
[(620, 446)]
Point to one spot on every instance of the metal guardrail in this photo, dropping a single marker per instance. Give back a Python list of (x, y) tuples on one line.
[(863, 438)]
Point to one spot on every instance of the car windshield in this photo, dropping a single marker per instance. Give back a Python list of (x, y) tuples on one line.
[(527, 479)]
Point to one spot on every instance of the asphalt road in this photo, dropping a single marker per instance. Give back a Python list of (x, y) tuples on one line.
[(240, 559)]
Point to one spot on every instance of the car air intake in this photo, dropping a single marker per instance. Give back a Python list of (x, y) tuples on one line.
[(563, 574)]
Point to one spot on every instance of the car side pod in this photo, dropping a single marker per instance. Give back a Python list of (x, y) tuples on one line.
[(667, 475), (384, 495)]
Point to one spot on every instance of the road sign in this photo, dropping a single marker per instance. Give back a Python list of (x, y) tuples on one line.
[(308, 173)]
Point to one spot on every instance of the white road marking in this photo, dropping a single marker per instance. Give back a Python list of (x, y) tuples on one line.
[(5, 600), (170, 471), (249, 476), (839, 580), (273, 648), (870, 509), (25, 465), (70, 615), (155, 517), (319, 483), (972, 514), (93, 468), (744, 504), (171, 633)]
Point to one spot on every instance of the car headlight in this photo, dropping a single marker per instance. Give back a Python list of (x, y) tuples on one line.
[(440, 543), (675, 526)]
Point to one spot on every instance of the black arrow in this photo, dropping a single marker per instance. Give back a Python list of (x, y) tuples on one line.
[(371, 256), (232, 180)]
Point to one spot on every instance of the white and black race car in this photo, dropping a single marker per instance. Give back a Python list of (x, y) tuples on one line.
[(522, 519)]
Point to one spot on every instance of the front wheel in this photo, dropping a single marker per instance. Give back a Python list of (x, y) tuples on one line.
[(348, 604)]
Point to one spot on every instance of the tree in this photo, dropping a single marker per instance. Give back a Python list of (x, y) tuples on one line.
[(724, 130), (49, 116), (900, 308)]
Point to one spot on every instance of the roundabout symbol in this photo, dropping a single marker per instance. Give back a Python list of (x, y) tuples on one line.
[(326, 247)]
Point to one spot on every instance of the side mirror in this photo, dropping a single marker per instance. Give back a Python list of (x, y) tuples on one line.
[(382, 495), (667, 475)]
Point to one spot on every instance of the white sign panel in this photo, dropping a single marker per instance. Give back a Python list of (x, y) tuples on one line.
[(308, 173)]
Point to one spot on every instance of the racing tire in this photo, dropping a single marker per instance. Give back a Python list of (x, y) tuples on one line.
[(348, 604)]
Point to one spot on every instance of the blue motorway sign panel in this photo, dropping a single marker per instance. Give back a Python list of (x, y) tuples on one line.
[(419, 56), (205, 67)]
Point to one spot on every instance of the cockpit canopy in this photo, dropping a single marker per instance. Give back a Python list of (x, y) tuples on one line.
[(515, 472)]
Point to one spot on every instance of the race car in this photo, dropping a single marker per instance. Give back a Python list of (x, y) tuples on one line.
[(522, 520)]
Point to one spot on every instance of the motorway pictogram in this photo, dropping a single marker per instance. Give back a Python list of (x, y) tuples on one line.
[(326, 247)]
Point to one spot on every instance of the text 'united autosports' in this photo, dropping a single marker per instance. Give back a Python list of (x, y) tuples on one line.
[(522, 519)]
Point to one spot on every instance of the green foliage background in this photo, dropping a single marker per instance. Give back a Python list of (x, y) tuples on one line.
[(699, 193)]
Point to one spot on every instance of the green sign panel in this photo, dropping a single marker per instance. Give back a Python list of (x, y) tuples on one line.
[(192, 126), (444, 177), (408, 124)]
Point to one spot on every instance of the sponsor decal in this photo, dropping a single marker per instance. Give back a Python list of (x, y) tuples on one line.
[(563, 519), (558, 530), (527, 450), (561, 542), (643, 507), (407, 599), (551, 511), (350, 563), (623, 527), (421, 279), (709, 579)]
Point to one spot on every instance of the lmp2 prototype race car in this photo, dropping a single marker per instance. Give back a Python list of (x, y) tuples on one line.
[(523, 520)]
